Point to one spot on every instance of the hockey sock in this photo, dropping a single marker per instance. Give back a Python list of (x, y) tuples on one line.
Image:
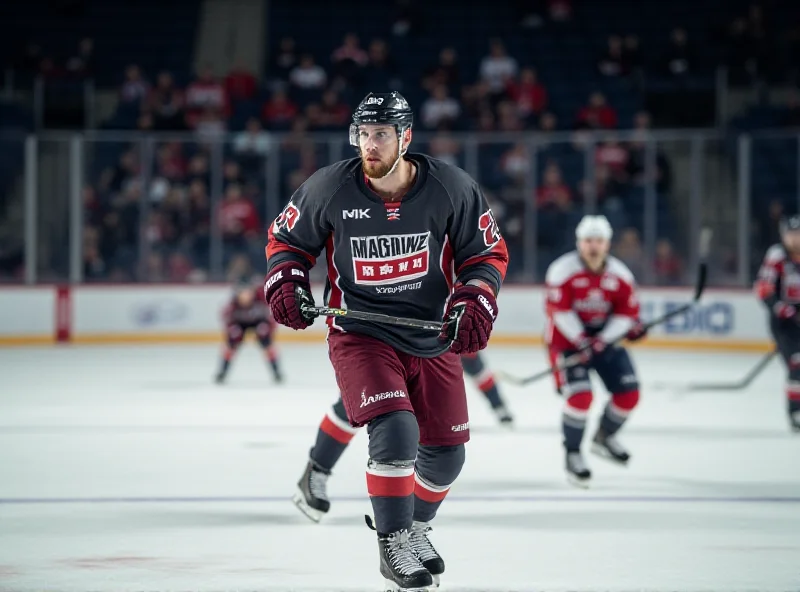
[(573, 419), (227, 355), (333, 436), (391, 487), (617, 411), (484, 379), (793, 397), (272, 357), (434, 465)]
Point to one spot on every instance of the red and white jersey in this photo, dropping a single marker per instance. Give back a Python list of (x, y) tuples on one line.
[(581, 303), (246, 316), (778, 278)]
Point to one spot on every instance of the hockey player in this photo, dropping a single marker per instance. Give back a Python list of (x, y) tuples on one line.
[(334, 434), (407, 235), (248, 311), (591, 302), (778, 287)]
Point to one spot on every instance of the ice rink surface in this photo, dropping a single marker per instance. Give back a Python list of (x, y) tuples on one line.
[(125, 468)]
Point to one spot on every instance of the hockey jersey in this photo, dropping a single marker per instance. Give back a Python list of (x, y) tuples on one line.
[(247, 316), (397, 258), (778, 278), (581, 303)]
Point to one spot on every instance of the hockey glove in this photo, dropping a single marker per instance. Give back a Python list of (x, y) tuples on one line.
[(286, 290), (468, 319), (637, 332), (589, 348), (783, 311)]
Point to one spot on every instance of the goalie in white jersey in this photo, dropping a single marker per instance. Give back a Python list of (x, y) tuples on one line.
[(591, 303)]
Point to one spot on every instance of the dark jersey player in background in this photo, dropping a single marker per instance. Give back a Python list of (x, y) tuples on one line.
[(778, 287), (410, 236), (247, 311), (335, 432)]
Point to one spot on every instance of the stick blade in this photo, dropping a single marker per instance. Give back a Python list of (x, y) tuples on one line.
[(704, 244)]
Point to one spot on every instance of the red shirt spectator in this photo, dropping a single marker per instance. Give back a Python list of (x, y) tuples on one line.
[(350, 50), (279, 110), (598, 114), (206, 92), (240, 84), (612, 155), (528, 93), (237, 215), (554, 192), (333, 112)]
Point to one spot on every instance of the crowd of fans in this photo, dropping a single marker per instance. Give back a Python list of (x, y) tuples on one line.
[(185, 206)]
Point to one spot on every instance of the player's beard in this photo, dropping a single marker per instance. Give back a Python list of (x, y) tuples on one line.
[(378, 170)]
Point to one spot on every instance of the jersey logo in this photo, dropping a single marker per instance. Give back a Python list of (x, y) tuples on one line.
[(374, 101), (356, 214), (287, 219), (491, 231), (389, 259)]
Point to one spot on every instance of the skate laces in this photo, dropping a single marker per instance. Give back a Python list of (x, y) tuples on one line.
[(401, 555), (418, 539), (575, 461), (318, 485)]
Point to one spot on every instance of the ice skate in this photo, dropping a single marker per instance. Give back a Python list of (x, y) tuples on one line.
[(220, 377), (400, 566), (425, 551), (577, 472), (794, 421), (311, 497), (608, 447), (504, 416)]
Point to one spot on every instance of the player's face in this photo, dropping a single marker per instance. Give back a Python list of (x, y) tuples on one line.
[(791, 239), (379, 149), (593, 250), (245, 298)]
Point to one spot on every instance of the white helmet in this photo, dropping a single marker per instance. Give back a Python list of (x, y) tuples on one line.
[(594, 227)]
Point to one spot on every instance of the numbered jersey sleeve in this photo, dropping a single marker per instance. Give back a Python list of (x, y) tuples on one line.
[(301, 230), (477, 247), (624, 301), (560, 298), (768, 283)]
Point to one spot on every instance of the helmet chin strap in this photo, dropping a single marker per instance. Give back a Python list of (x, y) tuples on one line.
[(400, 154)]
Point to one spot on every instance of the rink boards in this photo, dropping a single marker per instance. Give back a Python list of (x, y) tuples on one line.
[(724, 319)]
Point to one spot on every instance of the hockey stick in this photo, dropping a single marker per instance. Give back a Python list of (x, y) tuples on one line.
[(739, 385), (576, 358)]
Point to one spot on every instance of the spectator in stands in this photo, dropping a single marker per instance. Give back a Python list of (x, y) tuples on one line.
[(497, 69), (548, 122), (284, 60), (231, 174), (407, 18), (598, 114), (199, 169), (381, 71), (553, 192), (679, 59), (199, 222), (560, 11), (240, 83), (515, 163), (486, 121), (308, 75), (613, 155), (81, 64), (278, 112), (145, 122), (508, 119), (135, 88), (667, 266), (349, 60), (612, 62), (632, 54), (446, 71), (165, 103), (238, 219), (440, 111), (528, 94), (252, 144), (206, 100), (637, 158), (530, 13), (769, 227), (210, 126), (334, 114), (629, 250), (445, 148), (94, 267)]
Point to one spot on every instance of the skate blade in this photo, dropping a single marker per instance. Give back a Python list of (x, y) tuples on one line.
[(299, 500), (603, 452), (390, 586), (577, 482)]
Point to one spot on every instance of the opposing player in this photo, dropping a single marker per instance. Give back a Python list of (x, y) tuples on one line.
[(591, 302), (247, 311), (778, 287), (334, 434), (406, 235)]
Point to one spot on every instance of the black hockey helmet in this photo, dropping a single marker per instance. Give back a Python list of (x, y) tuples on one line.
[(388, 108), (790, 223)]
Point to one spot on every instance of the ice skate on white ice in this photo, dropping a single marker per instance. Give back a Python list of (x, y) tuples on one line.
[(577, 472), (425, 551), (794, 421), (311, 497), (400, 566), (608, 447), (504, 416)]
